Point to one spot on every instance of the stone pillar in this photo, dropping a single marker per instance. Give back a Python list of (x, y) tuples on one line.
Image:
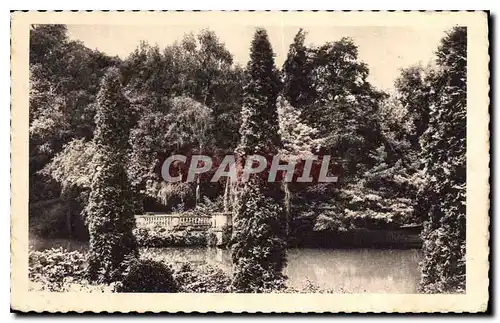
[(221, 223)]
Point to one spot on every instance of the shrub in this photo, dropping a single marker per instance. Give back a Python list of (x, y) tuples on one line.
[(52, 269), (154, 236), (202, 279), (188, 237), (147, 276)]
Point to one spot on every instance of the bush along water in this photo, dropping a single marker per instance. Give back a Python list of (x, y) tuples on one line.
[(155, 236), (202, 279), (147, 276), (60, 270), (51, 267)]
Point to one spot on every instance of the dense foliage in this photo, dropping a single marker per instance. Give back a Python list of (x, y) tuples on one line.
[(202, 279), (153, 236), (64, 81), (187, 98), (60, 270), (258, 249), (298, 142), (364, 132), (147, 276), (110, 208), (53, 266), (100, 128), (443, 151)]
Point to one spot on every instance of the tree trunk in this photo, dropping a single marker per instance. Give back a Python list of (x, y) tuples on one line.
[(226, 196), (288, 197), (198, 190)]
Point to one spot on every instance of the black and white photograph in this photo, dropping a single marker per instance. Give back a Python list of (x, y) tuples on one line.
[(248, 153)]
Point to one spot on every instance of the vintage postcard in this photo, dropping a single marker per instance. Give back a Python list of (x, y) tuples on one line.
[(280, 162)]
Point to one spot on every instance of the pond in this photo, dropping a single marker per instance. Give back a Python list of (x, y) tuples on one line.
[(341, 270)]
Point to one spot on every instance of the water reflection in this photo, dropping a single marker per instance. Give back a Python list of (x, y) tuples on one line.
[(341, 270), (356, 270)]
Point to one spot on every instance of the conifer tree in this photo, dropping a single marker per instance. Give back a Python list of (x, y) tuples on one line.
[(110, 208), (443, 152), (258, 251), (297, 83), (259, 129)]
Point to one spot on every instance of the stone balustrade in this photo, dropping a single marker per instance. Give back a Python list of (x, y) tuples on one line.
[(180, 221)]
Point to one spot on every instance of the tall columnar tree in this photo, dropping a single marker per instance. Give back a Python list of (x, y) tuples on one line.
[(258, 251), (297, 83), (110, 208), (259, 129), (443, 152)]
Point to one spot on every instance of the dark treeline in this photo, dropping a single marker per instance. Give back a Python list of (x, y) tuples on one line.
[(400, 157)]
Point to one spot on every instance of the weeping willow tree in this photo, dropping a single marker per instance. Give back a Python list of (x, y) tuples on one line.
[(184, 128), (191, 124)]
